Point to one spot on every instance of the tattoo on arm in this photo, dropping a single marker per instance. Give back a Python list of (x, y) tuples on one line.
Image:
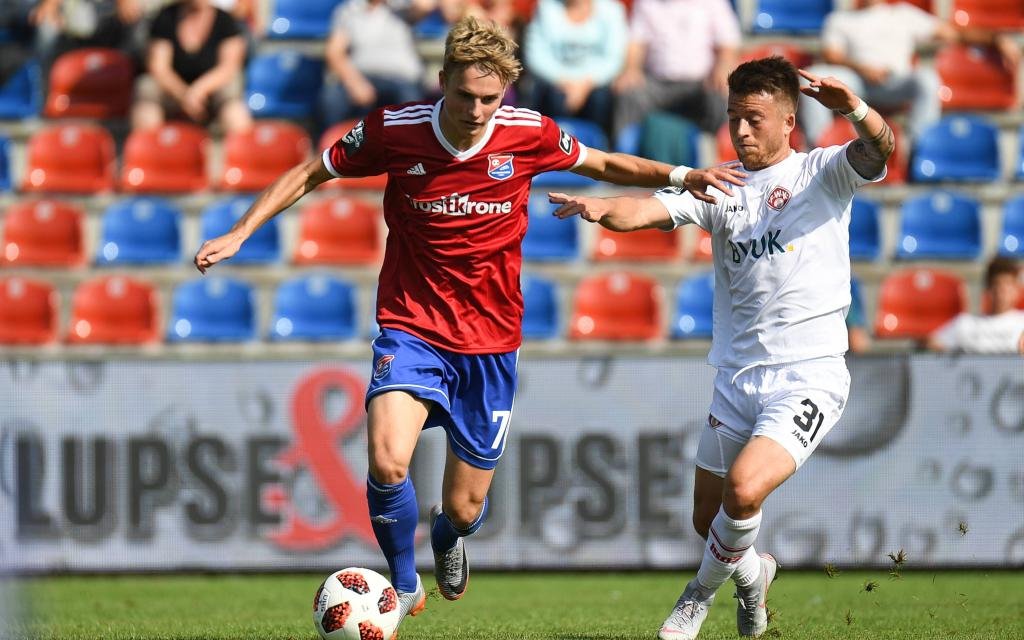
[(870, 151)]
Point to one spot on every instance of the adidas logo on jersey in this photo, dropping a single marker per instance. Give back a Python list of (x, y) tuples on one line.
[(417, 170)]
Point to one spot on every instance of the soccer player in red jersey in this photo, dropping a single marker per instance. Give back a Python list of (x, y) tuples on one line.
[(448, 302)]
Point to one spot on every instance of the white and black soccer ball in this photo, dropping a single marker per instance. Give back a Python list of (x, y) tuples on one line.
[(356, 604)]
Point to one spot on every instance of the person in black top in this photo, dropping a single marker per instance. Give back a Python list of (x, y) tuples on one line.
[(196, 53)]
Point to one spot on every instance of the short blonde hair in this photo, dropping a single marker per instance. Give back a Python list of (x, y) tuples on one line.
[(483, 44)]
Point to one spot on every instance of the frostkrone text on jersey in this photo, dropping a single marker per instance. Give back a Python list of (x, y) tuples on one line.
[(456, 205)]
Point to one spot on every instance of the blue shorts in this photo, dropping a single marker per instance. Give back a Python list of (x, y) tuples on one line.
[(472, 394)]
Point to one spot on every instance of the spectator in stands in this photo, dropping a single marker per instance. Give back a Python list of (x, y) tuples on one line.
[(679, 56), (573, 51), (500, 12), (18, 35), (1002, 330), (871, 50), (64, 25), (371, 57), (857, 327), (195, 65)]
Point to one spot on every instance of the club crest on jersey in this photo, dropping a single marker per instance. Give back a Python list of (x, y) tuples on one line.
[(383, 367), (499, 166), (778, 198)]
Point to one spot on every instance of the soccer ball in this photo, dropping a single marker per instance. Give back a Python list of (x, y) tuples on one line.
[(356, 604)]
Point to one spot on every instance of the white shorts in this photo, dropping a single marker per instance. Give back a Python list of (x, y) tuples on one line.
[(795, 404)]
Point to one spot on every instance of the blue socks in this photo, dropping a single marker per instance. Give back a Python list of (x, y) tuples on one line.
[(393, 514), (444, 535)]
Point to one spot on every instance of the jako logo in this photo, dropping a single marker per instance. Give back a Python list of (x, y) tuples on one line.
[(456, 205), (768, 243)]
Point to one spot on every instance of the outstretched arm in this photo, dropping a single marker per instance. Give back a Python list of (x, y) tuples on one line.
[(875, 143), (628, 170), (618, 214), (286, 190)]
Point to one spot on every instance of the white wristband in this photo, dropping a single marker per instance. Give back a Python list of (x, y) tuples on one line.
[(859, 113), (678, 175)]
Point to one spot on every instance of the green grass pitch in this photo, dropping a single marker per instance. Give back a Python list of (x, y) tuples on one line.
[(581, 606)]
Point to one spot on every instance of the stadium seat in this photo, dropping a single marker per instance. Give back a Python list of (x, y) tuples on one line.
[(914, 302), (940, 225), (989, 14), (213, 309), (647, 245), (170, 158), (790, 16), (285, 84), (616, 306), (695, 301), (140, 231), (925, 5), (841, 131), (726, 152), (90, 83), (263, 246), (702, 246), (339, 230), (369, 183), (974, 78), (796, 54), (865, 239), (21, 95), (301, 19), (547, 237), (114, 310), (957, 148), (255, 158), (5, 164), (43, 233), (70, 158), (1011, 241), (662, 136), (432, 26), (315, 307), (587, 133), (28, 311), (540, 302)]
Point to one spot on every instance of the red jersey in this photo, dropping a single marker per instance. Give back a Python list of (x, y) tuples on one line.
[(456, 219)]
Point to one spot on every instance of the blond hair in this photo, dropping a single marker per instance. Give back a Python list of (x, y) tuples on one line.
[(472, 42)]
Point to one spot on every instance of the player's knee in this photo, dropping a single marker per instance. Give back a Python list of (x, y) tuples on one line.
[(742, 498), (387, 470), (463, 510)]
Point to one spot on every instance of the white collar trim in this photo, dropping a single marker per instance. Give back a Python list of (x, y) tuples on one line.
[(435, 122)]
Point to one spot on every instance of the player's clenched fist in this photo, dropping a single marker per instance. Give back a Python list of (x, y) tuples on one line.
[(217, 249)]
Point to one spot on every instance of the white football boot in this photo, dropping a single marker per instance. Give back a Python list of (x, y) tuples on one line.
[(751, 613), (688, 615)]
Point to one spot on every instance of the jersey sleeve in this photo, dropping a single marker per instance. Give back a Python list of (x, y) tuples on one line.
[(831, 166), (360, 152), (557, 149), (683, 208)]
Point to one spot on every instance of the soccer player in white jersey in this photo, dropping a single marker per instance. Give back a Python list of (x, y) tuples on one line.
[(782, 289)]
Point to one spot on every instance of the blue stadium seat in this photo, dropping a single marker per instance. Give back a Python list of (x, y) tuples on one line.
[(864, 236), (547, 237), (22, 96), (1011, 241), (662, 136), (212, 309), (5, 164), (695, 300), (940, 225), (261, 248), (540, 300), (283, 85), (314, 307), (140, 231), (431, 26), (856, 315), (590, 135), (791, 16), (301, 19), (957, 148)]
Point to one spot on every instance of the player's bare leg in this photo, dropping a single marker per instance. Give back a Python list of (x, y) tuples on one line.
[(462, 511), (395, 420)]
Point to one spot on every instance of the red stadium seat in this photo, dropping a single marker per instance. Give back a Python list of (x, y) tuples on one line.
[(28, 311), (702, 246), (114, 310), (90, 83), (616, 306), (339, 231), (170, 158), (723, 142), (915, 302), (841, 131), (989, 14), (641, 246), (374, 183), (43, 233), (70, 158), (974, 78), (255, 158), (795, 54), (922, 4)]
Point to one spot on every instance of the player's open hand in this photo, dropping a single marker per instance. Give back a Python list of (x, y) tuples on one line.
[(698, 180), (590, 209), (830, 92), (216, 250)]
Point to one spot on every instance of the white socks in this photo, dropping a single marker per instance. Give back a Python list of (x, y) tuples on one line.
[(730, 548)]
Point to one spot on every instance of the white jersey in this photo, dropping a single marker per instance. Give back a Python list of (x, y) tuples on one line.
[(781, 249), (982, 334)]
